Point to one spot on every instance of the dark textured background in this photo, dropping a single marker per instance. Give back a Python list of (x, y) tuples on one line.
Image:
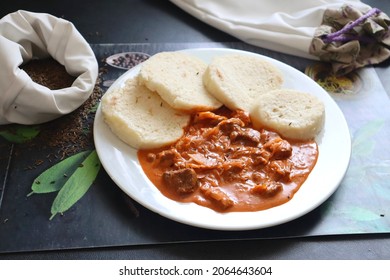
[(150, 22)]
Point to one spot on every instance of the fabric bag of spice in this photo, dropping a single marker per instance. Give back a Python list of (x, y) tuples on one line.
[(349, 34), (27, 36)]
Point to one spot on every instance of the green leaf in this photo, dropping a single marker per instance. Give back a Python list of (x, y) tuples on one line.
[(54, 178), (77, 185), (19, 133)]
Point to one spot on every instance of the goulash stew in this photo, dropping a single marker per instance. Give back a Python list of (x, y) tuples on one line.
[(221, 162)]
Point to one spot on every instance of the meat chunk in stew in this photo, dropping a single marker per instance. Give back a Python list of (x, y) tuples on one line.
[(229, 125), (267, 189), (280, 149), (216, 195), (246, 136), (183, 180), (280, 169)]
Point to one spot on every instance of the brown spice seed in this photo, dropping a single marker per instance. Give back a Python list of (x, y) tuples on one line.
[(49, 73), (71, 133)]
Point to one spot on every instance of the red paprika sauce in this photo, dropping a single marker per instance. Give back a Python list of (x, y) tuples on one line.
[(223, 163)]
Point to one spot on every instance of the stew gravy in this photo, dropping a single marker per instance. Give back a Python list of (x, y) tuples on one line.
[(221, 162)]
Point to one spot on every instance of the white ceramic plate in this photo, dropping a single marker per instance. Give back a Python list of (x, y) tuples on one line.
[(121, 163)]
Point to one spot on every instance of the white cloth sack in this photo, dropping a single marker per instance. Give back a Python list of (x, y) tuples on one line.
[(24, 36), (348, 34), (280, 25)]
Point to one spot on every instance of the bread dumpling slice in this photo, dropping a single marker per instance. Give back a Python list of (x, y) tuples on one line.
[(140, 118), (177, 78), (291, 113), (238, 79)]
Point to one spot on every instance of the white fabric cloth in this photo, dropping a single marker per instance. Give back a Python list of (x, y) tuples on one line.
[(280, 25), (25, 35)]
